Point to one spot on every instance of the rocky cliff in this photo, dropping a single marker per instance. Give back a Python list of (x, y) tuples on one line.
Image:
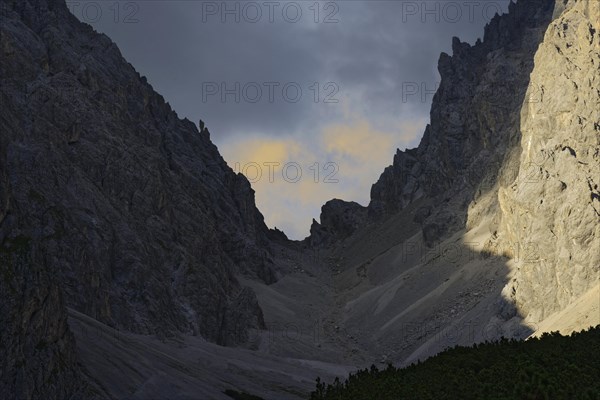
[(474, 121), (550, 212), (503, 188), (109, 204), (339, 219), (474, 114)]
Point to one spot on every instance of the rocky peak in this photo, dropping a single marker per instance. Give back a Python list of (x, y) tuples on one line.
[(339, 219), (473, 112)]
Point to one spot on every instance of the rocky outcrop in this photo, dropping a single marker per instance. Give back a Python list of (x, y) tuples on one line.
[(398, 185), (130, 214), (549, 218), (474, 115), (339, 219)]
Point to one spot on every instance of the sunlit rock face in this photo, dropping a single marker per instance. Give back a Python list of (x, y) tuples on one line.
[(474, 115), (551, 210)]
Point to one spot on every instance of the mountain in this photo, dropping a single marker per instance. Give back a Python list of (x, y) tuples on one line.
[(109, 204), (134, 262), (491, 225)]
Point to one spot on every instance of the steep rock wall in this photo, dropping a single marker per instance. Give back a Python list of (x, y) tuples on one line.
[(550, 213), (130, 215)]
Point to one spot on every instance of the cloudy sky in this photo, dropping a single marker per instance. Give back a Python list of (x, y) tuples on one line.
[(308, 99)]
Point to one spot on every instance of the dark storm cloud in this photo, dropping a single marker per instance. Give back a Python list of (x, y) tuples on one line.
[(371, 53)]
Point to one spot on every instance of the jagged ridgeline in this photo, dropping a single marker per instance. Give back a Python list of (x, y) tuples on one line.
[(550, 367)]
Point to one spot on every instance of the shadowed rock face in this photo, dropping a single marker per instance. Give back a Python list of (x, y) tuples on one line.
[(128, 211), (474, 114), (474, 123), (339, 219), (37, 350)]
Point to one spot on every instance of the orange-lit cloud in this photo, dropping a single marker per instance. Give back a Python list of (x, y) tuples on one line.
[(338, 161)]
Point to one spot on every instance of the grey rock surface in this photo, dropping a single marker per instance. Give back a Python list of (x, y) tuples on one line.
[(474, 116), (550, 213), (131, 213), (502, 189), (472, 140), (339, 219)]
